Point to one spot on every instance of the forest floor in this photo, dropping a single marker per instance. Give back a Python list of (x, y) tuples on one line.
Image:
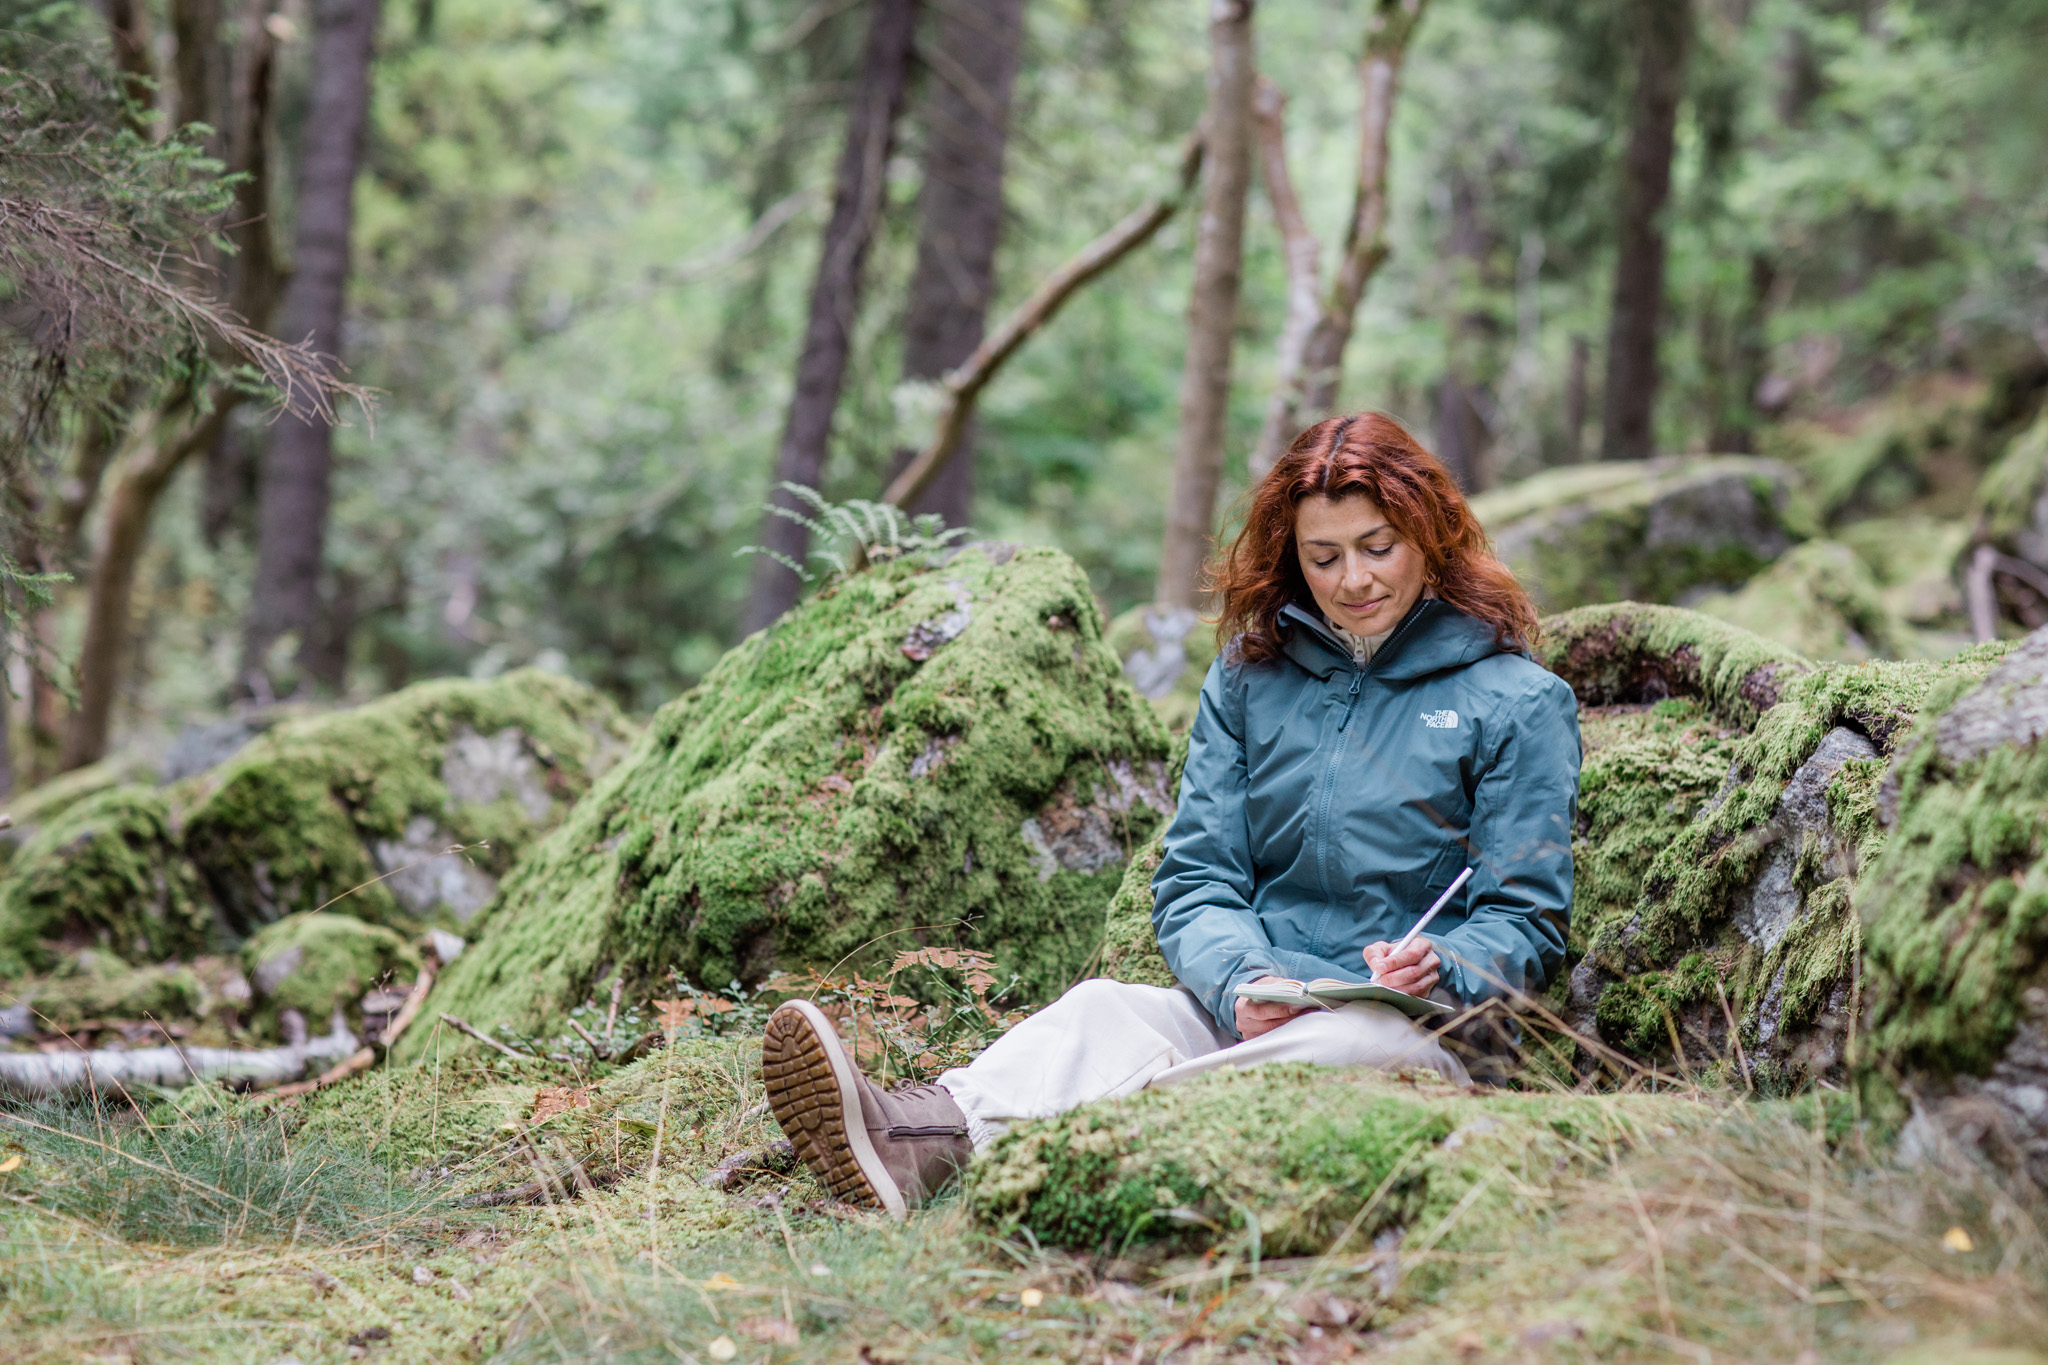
[(361, 1223)]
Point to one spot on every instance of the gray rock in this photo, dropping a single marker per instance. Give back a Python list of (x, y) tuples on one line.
[(424, 876), (1154, 671), (1766, 911), (479, 769)]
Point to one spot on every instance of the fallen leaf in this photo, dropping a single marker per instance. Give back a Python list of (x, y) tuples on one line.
[(551, 1100), (721, 1281), (779, 1331), (12, 1163), (721, 1348), (1031, 1298), (1957, 1239)]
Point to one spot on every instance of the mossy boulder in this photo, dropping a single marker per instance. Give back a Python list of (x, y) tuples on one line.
[(30, 810), (1820, 600), (368, 803), (106, 871), (320, 962), (359, 806), (1166, 652), (1651, 531), (1909, 448), (1295, 1160), (937, 750), (1955, 910)]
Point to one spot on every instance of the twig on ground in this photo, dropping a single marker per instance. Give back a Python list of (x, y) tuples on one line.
[(597, 1049), (461, 1025)]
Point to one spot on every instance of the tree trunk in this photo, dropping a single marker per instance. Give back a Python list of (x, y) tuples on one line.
[(1303, 254), (1462, 433), (1313, 394), (160, 441), (857, 197), (157, 447), (1661, 34), (127, 27), (292, 501), (966, 118), (1212, 304), (1575, 399)]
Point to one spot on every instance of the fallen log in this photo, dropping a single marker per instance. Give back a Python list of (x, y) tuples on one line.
[(37, 1074)]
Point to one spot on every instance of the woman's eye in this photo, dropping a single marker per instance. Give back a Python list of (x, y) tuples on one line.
[(1381, 552), (1326, 563)]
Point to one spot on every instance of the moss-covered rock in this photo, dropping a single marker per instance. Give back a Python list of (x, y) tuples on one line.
[(1914, 559), (109, 871), (1649, 531), (1628, 653), (939, 751), (1166, 652), (2013, 496), (30, 810), (320, 962), (1742, 911), (1905, 449), (368, 803), (1820, 600), (1300, 1160), (1955, 908)]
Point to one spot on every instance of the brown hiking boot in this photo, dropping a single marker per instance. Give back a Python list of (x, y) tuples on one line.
[(879, 1149)]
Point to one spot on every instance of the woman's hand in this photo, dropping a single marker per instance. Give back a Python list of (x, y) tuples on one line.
[(1413, 969), (1255, 1017)]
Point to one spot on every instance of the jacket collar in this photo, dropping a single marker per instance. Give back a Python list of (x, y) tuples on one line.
[(1432, 637)]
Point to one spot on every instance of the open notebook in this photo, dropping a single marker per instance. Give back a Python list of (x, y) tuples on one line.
[(1327, 992)]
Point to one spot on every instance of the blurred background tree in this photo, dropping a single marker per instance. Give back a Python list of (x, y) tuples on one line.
[(585, 237)]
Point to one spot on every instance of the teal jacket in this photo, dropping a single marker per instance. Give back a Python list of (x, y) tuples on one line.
[(1326, 806)]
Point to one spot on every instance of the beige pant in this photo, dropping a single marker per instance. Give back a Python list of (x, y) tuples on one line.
[(1103, 1039)]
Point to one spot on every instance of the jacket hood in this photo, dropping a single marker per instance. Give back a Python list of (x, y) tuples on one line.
[(1433, 637)]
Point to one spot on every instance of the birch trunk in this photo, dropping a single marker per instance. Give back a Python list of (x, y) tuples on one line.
[(36, 1074), (1212, 306), (1311, 392)]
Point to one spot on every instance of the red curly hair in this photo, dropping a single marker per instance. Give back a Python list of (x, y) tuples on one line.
[(1366, 455)]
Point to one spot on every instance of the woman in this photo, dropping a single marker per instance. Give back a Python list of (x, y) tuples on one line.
[(1373, 726)]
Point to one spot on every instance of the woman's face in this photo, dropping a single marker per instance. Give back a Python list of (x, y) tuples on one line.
[(1363, 575)]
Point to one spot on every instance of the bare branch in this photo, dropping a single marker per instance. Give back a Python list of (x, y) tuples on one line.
[(964, 383), (307, 382)]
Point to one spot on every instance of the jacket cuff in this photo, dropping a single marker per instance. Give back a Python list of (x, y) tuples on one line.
[(1248, 969)]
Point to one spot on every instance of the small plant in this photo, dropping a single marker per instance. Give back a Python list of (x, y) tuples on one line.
[(856, 532)]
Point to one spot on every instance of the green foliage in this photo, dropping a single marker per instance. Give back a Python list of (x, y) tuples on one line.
[(856, 530), (938, 749)]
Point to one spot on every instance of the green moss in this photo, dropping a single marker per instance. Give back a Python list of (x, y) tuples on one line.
[(1889, 457), (317, 963), (99, 986), (1289, 1157), (1635, 652), (33, 808), (1641, 1013), (322, 807), (1148, 660), (1913, 558), (1648, 531), (2009, 498), (1955, 909), (1647, 773), (106, 870), (1130, 947), (1819, 600), (848, 783)]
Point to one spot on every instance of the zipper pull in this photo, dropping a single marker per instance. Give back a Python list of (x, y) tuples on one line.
[(1357, 677)]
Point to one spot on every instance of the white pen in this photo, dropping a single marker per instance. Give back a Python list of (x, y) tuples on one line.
[(1441, 902)]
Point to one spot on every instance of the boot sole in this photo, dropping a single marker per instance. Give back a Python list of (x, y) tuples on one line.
[(814, 1093)]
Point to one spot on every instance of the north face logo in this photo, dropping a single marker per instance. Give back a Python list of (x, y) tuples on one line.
[(1440, 720)]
